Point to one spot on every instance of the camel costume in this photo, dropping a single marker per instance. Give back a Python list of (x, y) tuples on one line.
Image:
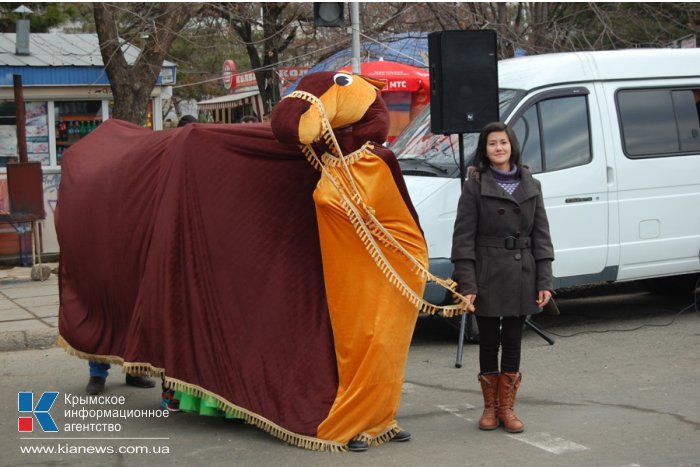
[(217, 257)]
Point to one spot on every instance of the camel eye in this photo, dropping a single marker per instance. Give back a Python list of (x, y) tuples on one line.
[(342, 79)]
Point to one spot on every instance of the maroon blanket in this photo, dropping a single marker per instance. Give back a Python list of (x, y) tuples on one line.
[(169, 239)]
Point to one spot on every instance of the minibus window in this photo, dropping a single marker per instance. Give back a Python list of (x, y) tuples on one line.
[(567, 141), (688, 118), (420, 152), (527, 130), (554, 134), (648, 122)]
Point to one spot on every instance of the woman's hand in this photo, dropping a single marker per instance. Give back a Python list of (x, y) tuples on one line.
[(543, 298), (469, 305)]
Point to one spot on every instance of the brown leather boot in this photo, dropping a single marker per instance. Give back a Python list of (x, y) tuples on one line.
[(489, 388), (508, 384)]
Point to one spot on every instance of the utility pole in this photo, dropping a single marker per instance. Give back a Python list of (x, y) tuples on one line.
[(20, 118), (355, 27)]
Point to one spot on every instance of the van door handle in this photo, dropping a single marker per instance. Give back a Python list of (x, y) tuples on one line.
[(578, 200)]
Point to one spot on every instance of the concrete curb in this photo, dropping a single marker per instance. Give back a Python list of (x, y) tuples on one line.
[(28, 340)]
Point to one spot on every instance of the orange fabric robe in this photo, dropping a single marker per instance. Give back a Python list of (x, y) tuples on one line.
[(373, 322)]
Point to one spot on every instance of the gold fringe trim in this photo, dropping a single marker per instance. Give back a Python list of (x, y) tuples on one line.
[(366, 225), (311, 157), (383, 437), (388, 270), (111, 359), (331, 161), (143, 368)]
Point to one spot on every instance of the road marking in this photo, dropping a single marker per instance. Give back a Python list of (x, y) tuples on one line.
[(544, 441), (457, 409), (549, 443)]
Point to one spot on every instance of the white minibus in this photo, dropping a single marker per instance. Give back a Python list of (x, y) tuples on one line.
[(614, 138)]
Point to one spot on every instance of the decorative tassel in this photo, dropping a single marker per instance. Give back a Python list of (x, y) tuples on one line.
[(251, 418), (381, 438), (367, 226)]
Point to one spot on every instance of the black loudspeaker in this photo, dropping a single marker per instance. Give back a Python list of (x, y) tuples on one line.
[(463, 80)]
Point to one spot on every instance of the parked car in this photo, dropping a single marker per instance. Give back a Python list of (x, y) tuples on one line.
[(614, 138)]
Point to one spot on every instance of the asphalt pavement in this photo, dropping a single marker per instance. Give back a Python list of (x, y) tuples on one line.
[(619, 387), (28, 309)]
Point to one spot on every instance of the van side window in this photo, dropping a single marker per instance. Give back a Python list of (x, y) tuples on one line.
[(527, 129), (659, 122), (688, 118), (554, 134)]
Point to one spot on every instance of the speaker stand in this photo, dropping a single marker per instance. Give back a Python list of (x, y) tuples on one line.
[(538, 330), (528, 322), (463, 318)]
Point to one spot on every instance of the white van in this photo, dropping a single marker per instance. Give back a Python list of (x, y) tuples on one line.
[(614, 137)]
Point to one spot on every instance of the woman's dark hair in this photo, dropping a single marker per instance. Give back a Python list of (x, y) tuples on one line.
[(186, 119), (481, 160)]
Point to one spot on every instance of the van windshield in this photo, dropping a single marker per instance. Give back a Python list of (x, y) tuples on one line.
[(420, 152)]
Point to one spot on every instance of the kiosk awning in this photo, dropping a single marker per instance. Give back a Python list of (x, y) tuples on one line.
[(228, 101)]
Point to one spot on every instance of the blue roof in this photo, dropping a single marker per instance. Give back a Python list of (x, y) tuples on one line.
[(60, 59), (409, 48), (54, 75)]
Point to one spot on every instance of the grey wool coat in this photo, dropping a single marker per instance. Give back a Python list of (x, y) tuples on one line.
[(505, 273)]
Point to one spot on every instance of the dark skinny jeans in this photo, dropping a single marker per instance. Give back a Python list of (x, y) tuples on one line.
[(505, 333)]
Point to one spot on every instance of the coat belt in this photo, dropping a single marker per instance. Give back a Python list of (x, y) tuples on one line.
[(509, 243)]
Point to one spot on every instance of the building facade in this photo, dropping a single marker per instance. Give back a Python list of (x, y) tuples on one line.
[(67, 95)]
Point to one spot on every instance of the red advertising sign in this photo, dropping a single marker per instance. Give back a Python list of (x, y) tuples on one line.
[(397, 76), (246, 79), (229, 72), (291, 73)]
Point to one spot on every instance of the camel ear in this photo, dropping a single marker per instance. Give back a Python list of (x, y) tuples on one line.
[(374, 82)]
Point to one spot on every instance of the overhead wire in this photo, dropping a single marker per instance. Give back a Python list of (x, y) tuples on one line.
[(280, 62), (396, 51), (297, 57)]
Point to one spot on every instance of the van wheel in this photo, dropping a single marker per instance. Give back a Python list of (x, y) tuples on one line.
[(684, 285)]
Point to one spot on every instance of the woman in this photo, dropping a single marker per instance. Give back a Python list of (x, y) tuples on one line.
[(502, 253)]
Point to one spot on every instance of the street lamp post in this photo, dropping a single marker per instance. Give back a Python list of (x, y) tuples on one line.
[(355, 27)]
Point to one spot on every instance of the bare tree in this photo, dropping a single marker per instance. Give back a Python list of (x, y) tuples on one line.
[(542, 27), (266, 30), (274, 32), (264, 35), (155, 25)]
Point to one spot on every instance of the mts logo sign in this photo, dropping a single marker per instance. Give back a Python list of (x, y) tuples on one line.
[(398, 84), (25, 405)]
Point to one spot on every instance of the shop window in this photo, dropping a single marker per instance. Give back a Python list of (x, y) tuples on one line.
[(74, 119), (37, 129)]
